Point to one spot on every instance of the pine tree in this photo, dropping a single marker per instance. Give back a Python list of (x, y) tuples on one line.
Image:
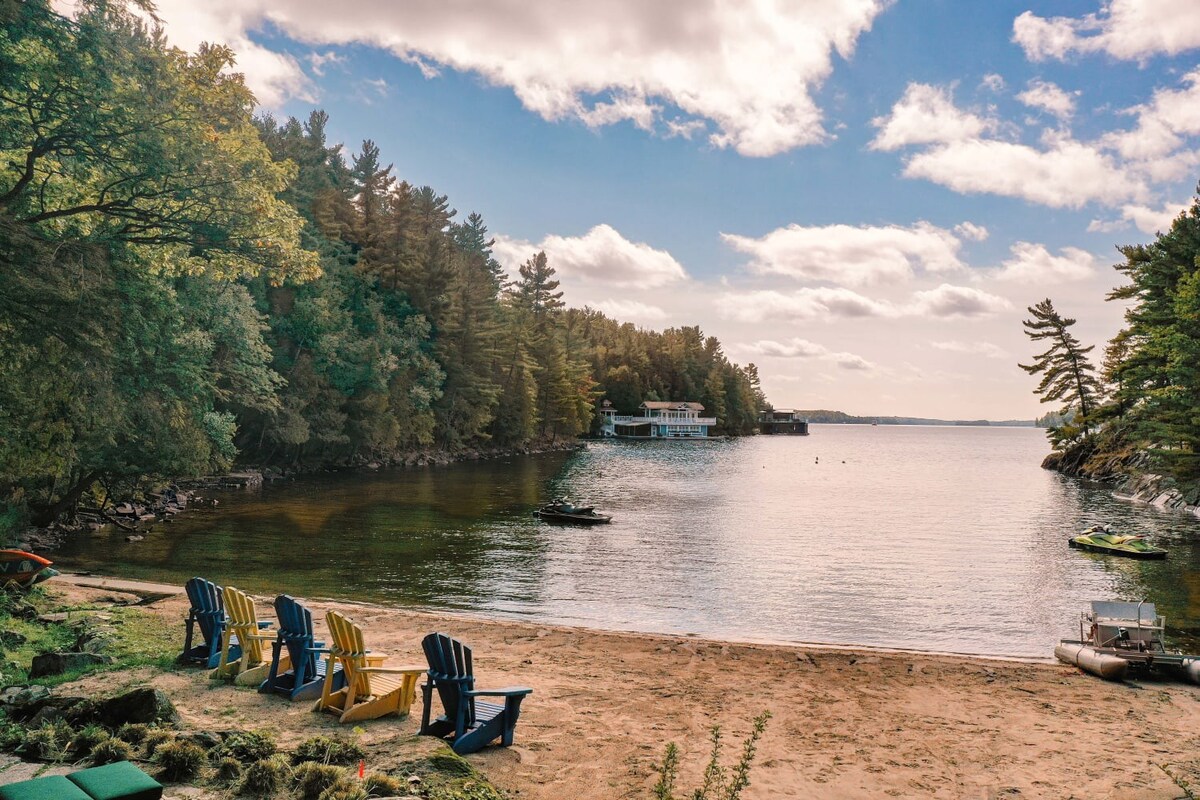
[(1067, 374)]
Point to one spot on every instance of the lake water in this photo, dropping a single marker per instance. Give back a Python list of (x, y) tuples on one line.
[(928, 538)]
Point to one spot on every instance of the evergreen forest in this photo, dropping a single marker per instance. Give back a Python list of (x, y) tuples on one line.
[(185, 285), (1139, 407)]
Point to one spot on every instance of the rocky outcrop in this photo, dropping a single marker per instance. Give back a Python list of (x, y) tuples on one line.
[(1161, 491), (1126, 470), (1087, 460)]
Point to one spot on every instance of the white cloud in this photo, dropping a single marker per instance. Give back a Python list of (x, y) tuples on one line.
[(1126, 29), (1146, 219), (749, 70), (1033, 264), (802, 304), (1151, 220), (318, 61), (1068, 174), (274, 77), (850, 255), (969, 153), (993, 82), (1162, 124), (985, 349), (601, 256), (630, 310), (969, 230), (1050, 98), (944, 302), (804, 349), (925, 115), (951, 302)]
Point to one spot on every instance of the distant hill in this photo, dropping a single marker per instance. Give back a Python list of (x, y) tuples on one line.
[(841, 417)]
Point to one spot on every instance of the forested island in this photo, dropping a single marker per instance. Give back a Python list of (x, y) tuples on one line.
[(1138, 413), (187, 285)]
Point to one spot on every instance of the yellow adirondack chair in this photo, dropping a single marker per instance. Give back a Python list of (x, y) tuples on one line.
[(243, 628), (372, 690)]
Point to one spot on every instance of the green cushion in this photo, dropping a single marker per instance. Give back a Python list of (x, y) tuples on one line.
[(119, 781), (55, 787)]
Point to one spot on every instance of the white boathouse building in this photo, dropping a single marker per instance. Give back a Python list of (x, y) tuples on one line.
[(657, 420)]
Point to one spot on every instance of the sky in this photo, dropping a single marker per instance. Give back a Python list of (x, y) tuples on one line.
[(862, 197)]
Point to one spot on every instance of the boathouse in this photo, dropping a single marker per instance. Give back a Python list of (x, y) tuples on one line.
[(657, 420), (782, 421)]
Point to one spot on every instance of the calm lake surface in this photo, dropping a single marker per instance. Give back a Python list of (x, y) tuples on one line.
[(928, 538)]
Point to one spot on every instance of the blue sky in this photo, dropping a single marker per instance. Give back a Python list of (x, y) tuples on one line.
[(859, 196)]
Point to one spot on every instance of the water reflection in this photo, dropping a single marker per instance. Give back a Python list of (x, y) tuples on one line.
[(929, 538)]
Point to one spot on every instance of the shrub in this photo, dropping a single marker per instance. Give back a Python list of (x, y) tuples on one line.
[(154, 739), (378, 785), (229, 771), (110, 751), (133, 732), (264, 778), (86, 739), (329, 750), (249, 746), (312, 778), (180, 761), (719, 784)]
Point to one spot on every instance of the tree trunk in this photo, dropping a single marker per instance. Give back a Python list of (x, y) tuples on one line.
[(44, 515)]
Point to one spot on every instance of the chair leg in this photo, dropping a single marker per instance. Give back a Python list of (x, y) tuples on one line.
[(268, 684), (223, 664), (327, 688), (427, 699)]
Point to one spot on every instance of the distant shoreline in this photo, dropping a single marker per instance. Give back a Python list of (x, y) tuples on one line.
[(829, 418)]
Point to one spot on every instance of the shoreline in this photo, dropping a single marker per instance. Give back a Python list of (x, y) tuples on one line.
[(847, 722), (184, 492), (134, 585)]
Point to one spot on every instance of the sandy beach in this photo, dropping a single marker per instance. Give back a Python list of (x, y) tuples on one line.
[(845, 723)]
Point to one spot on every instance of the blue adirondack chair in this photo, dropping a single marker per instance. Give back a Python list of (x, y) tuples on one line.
[(304, 678), (472, 722), (208, 614)]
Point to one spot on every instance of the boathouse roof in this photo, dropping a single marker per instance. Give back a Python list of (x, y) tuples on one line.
[(671, 405)]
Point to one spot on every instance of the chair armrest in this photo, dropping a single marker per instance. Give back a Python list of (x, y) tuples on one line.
[(395, 670), (265, 624), (508, 691)]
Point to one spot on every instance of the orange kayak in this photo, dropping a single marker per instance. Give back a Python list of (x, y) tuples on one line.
[(24, 569)]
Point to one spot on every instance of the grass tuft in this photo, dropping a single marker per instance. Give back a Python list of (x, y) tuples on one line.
[(379, 785), (329, 750), (229, 771), (110, 751), (265, 778), (180, 761), (312, 778), (249, 746)]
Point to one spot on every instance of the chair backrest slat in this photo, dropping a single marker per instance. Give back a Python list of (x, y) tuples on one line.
[(451, 669), (207, 606), (296, 627), (243, 622), (349, 648)]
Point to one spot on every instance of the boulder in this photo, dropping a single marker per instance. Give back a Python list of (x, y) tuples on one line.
[(58, 663), (145, 705), (19, 697)]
